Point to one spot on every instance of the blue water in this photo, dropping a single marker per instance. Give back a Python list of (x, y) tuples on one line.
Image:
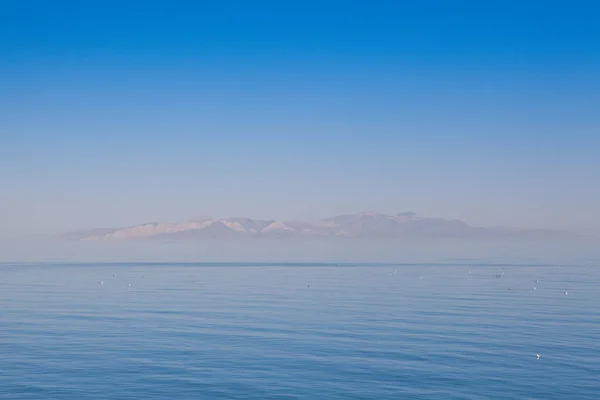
[(299, 332)]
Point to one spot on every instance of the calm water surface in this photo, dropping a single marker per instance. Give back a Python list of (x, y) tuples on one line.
[(299, 332)]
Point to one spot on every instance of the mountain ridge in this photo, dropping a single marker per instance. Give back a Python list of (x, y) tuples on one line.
[(359, 225)]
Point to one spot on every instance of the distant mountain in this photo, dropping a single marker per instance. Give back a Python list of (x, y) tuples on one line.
[(361, 225)]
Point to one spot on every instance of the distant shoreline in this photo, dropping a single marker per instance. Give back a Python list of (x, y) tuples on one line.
[(273, 264)]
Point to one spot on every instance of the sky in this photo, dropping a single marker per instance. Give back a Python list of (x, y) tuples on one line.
[(118, 113)]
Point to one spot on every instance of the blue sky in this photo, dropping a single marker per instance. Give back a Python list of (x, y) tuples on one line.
[(115, 114)]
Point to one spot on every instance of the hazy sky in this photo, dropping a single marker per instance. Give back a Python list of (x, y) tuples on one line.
[(117, 113)]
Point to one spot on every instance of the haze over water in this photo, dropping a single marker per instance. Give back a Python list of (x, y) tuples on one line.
[(303, 331)]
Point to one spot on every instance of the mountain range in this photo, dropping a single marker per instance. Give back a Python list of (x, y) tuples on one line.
[(405, 225)]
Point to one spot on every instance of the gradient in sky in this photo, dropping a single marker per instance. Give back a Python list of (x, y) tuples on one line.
[(117, 113)]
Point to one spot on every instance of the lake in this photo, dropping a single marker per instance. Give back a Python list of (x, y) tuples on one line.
[(299, 331)]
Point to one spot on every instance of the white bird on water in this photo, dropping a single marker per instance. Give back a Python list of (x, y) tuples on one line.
[(538, 356), (129, 285), (102, 282), (566, 293)]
